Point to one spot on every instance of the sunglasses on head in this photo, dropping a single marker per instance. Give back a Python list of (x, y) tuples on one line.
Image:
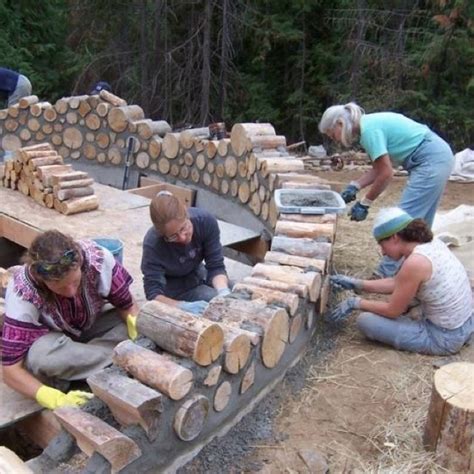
[(47, 268)]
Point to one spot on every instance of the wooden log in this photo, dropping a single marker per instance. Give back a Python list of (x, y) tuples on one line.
[(72, 183), (61, 105), (271, 323), (288, 301), (187, 137), (306, 263), (72, 117), (248, 379), (181, 333), (102, 109), (244, 192), (50, 114), (280, 165), (236, 349), (112, 98), (119, 117), (320, 232), (449, 429), (80, 204), (302, 247), (84, 107), (75, 101), (28, 100), (223, 147), (63, 194), (46, 172), (14, 110), (300, 290), (93, 121), (34, 163), (191, 417), (154, 146), (267, 141), (211, 148), (170, 145), (72, 176), (241, 132), (292, 275), (131, 402), (94, 435), (324, 296), (230, 166), (213, 376), (142, 160), (222, 396), (11, 125), (72, 138), (49, 200), (154, 370)]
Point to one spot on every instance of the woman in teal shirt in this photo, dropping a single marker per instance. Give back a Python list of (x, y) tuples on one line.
[(391, 140)]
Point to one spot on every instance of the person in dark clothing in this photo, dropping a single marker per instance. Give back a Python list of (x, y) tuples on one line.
[(13, 86), (100, 86), (173, 253)]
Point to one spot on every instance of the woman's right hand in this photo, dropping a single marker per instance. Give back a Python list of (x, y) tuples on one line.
[(344, 282)]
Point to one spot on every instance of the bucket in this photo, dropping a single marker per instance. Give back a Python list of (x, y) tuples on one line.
[(115, 246)]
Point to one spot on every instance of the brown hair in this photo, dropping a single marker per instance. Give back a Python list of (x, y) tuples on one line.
[(416, 231), (165, 207), (46, 252)]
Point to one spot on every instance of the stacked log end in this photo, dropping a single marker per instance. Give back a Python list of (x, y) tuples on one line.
[(39, 171)]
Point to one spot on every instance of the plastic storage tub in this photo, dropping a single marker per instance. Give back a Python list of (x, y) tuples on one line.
[(309, 201)]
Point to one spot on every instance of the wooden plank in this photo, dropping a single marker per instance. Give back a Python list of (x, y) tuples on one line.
[(14, 406), (17, 231), (10, 463)]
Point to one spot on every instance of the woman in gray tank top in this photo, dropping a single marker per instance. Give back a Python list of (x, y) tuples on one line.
[(430, 273)]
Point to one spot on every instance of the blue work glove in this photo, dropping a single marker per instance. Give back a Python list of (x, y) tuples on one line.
[(343, 282), (349, 194), (195, 307), (344, 309), (359, 212), (223, 292)]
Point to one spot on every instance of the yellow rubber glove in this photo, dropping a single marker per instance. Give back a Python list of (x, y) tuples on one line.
[(132, 327), (52, 398)]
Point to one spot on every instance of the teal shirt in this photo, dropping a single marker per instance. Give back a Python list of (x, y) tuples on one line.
[(390, 133)]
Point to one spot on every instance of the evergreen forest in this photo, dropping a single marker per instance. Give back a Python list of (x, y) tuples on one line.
[(192, 62)]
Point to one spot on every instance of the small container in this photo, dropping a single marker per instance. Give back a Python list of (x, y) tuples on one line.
[(309, 201), (115, 246)]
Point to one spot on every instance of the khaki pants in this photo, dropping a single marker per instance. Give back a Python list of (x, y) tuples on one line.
[(56, 356)]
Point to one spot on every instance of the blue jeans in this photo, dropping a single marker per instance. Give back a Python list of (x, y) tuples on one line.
[(429, 168), (411, 335)]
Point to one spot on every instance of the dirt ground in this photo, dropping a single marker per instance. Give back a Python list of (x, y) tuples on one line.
[(359, 406), (363, 405)]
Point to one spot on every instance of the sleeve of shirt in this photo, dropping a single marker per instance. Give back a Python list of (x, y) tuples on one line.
[(115, 282), (374, 143), (21, 328), (213, 254), (154, 278)]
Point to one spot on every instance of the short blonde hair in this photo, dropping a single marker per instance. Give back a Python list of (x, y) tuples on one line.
[(165, 207), (347, 115)]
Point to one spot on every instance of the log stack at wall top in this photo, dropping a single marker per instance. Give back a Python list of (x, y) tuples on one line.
[(245, 168), (38, 171)]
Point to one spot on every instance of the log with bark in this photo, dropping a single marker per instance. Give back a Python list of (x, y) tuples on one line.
[(306, 263), (119, 117), (112, 98), (302, 247), (154, 370), (187, 137), (292, 275), (299, 289), (320, 232), (449, 429), (271, 323), (79, 204), (181, 333), (241, 132), (131, 402), (94, 435)]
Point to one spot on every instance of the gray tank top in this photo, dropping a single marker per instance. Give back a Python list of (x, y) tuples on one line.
[(446, 298)]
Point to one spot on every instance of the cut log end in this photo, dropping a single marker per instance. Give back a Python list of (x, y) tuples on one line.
[(275, 339), (191, 417), (209, 345)]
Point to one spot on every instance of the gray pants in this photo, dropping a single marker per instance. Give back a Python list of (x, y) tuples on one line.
[(56, 356), (411, 335), (22, 89)]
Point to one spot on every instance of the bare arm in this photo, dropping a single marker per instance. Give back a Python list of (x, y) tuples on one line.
[(18, 378), (366, 179), (383, 174), (384, 286), (414, 271)]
